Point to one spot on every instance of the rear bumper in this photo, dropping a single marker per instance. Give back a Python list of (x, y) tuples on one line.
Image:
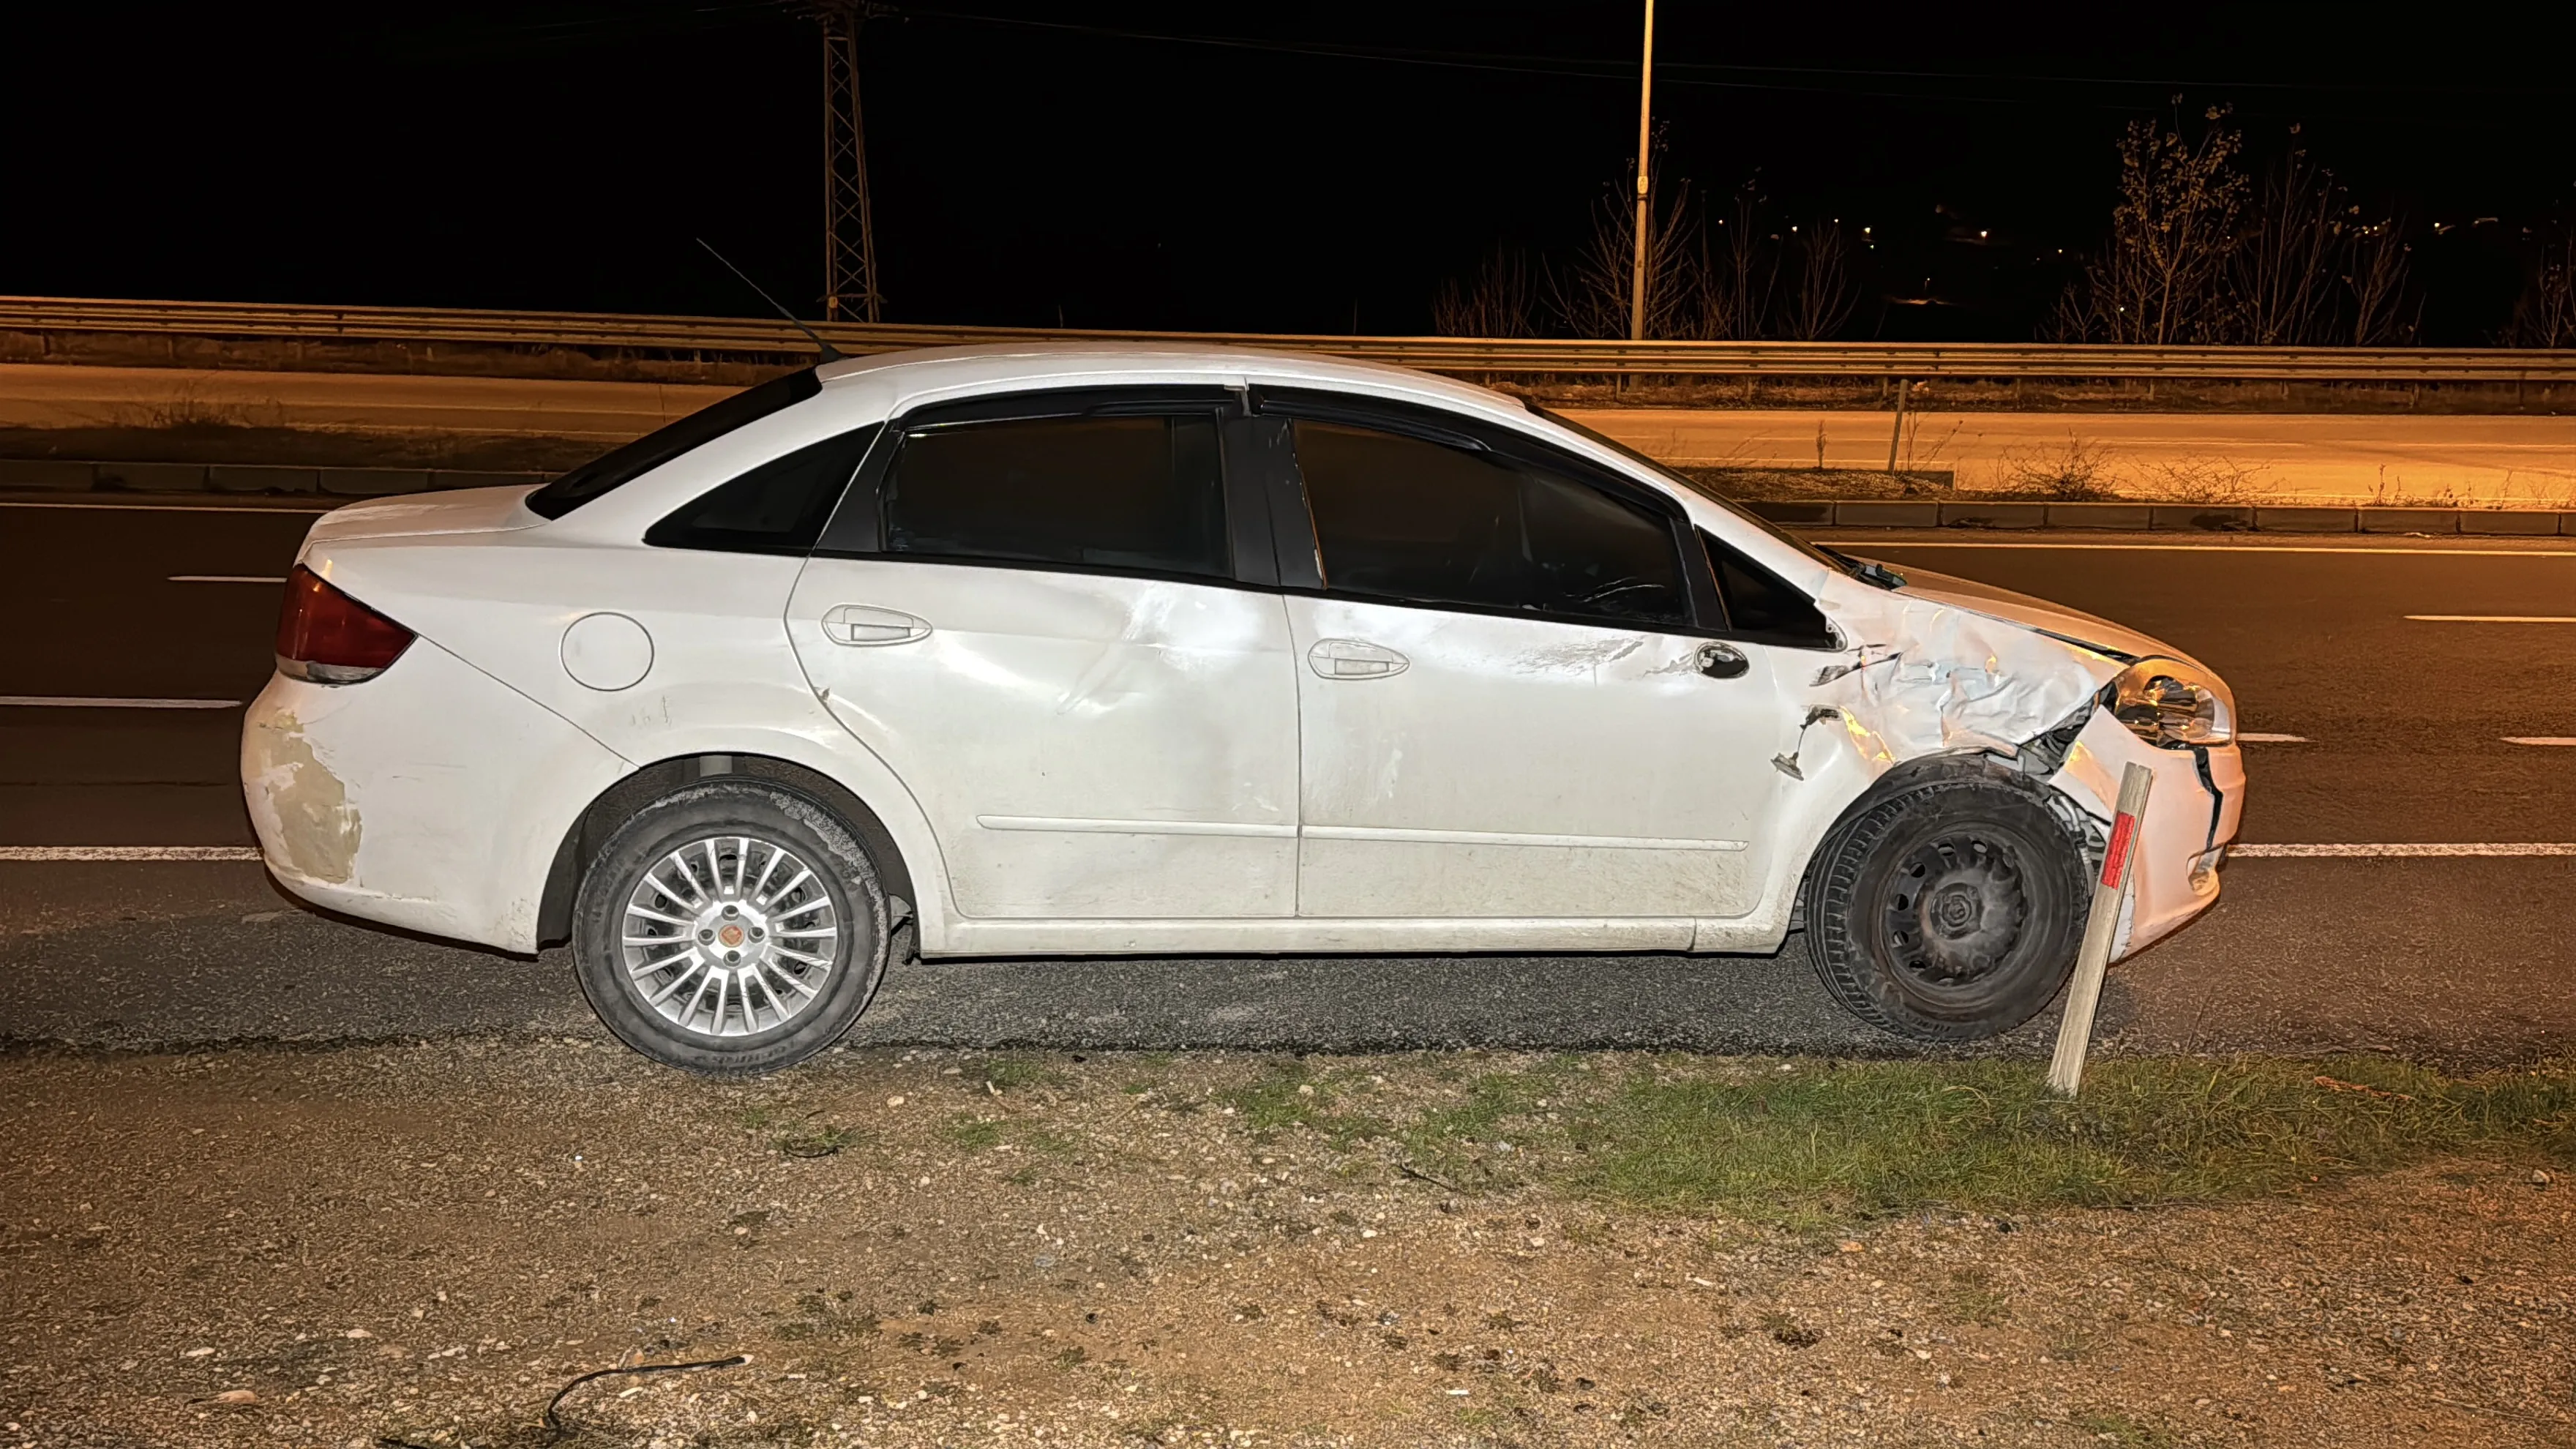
[(2192, 815), (431, 797)]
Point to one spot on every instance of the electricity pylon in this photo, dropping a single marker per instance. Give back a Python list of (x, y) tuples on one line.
[(849, 232)]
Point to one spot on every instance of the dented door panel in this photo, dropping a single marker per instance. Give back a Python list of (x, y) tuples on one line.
[(1528, 768), (1085, 746)]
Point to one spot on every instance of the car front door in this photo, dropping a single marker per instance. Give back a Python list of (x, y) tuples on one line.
[(1509, 706), (1028, 609)]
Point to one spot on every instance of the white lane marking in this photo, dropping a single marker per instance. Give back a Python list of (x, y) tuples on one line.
[(2254, 739), (126, 852), (2493, 618), (2503, 850), (69, 701), (224, 579), (1865, 543), (253, 508), (2540, 739)]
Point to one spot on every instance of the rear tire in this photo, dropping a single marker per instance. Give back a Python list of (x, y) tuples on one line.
[(731, 927), (1950, 910)]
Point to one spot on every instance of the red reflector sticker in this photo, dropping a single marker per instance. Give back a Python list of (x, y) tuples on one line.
[(2115, 860)]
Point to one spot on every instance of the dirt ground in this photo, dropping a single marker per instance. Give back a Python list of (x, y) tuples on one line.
[(420, 1245)]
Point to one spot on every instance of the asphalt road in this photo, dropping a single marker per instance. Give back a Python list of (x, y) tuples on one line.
[(2402, 727)]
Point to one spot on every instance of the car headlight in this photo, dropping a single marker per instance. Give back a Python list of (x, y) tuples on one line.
[(2173, 705)]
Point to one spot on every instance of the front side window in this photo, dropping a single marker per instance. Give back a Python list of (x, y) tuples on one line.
[(1404, 518), (1141, 494), (1759, 607)]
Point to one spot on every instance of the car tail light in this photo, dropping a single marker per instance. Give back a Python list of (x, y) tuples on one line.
[(326, 637)]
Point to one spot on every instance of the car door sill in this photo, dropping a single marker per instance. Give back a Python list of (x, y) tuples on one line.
[(1270, 935), (1499, 837)]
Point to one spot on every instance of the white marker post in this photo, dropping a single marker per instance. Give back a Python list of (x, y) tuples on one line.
[(2084, 995)]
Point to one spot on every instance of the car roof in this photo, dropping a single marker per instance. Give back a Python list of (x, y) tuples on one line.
[(916, 375)]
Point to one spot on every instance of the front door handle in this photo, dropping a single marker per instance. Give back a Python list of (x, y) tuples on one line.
[(1354, 659), (1722, 661), (864, 624)]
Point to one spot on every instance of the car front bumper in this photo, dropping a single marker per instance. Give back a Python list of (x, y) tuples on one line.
[(2192, 815)]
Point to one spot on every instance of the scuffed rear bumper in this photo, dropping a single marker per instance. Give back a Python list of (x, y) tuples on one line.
[(2192, 815), (431, 797)]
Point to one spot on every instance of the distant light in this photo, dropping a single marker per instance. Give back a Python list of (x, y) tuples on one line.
[(1981, 236)]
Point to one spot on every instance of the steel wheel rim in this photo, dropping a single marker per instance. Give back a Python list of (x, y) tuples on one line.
[(1956, 906), (730, 936)]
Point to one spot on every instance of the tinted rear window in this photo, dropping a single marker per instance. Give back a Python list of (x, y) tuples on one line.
[(778, 507), (660, 446), (1129, 493)]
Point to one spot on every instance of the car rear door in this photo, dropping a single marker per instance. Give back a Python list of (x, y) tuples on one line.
[(1029, 608), (1510, 703)]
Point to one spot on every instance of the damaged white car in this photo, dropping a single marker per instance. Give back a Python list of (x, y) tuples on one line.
[(1039, 651)]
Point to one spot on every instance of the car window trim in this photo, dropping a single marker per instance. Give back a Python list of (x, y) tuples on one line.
[(1535, 616)]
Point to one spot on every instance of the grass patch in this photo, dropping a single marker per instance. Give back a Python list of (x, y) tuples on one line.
[(1451, 1141), (1846, 1140), (971, 1132), (1009, 1073), (974, 1133), (1290, 1097)]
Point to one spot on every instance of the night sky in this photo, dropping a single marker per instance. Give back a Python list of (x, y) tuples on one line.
[(1314, 168)]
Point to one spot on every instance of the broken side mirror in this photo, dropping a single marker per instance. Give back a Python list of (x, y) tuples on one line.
[(1722, 661)]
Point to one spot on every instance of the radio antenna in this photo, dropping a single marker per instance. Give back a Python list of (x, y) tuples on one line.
[(830, 353)]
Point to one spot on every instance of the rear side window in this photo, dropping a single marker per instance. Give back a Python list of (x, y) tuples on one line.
[(1142, 494), (1760, 608), (660, 446), (778, 507), (1403, 518)]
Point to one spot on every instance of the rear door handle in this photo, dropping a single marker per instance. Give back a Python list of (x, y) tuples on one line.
[(1354, 659), (865, 624)]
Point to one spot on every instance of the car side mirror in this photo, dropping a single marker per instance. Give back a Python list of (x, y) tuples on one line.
[(1722, 661)]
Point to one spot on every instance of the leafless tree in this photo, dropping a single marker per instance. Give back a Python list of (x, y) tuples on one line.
[(1591, 295), (1743, 273), (2375, 256), (1821, 289), (2283, 268), (1499, 300), (2160, 280), (2545, 314)]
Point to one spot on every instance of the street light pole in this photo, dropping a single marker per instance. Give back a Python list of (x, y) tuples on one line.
[(1645, 137)]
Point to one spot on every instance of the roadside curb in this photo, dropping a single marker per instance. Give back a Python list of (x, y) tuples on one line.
[(2016, 515)]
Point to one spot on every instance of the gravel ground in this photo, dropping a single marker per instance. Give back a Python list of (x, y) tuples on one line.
[(420, 1244)]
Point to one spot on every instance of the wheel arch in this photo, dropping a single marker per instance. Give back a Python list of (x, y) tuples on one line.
[(1926, 771), (619, 802)]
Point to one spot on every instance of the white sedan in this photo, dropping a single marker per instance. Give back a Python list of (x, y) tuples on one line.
[(1091, 649)]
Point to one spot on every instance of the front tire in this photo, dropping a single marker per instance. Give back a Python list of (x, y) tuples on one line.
[(731, 927), (1950, 910)]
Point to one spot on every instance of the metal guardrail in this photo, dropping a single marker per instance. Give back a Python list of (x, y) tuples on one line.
[(752, 337)]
